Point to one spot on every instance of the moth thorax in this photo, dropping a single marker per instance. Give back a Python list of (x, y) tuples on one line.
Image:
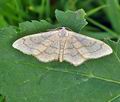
[(63, 32)]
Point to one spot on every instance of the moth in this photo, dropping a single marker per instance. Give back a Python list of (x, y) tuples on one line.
[(62, 44)]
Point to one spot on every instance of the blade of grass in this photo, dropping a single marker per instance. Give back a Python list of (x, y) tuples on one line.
[(86, 2), (113, 11), (3, 23), (47, 8), (101, 26), (93, 11), (98, 35), (71, 5), (19, 9)]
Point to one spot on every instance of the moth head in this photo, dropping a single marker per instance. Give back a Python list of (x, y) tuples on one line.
[(63, 32)]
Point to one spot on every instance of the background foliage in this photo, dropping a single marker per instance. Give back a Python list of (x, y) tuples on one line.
[(98, 80), (102, 15)]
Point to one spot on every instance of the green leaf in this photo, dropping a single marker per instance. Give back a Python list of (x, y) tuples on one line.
[(24, 79), (113, 11), (34, 26), (75, 20)]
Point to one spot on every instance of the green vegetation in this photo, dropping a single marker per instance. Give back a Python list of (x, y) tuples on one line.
[(25, 79)]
